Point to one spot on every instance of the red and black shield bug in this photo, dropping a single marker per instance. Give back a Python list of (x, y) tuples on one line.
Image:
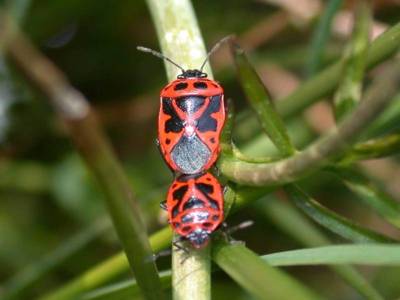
[(191, 118), (195, 207)]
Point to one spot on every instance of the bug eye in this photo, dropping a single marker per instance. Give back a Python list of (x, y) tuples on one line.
[(180, 86), (200, 85)]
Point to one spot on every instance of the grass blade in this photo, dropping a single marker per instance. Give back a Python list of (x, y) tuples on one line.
[(326, 81), (321, 36), (349, 93), (256, 276), (260, 101), (332, 221), (293, 223), (376, 254)]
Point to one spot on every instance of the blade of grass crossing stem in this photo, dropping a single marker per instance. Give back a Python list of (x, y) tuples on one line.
[(372, 195), (293, 223), (374, 254), (260, 101), (256, 276), (349, 92), (321, 36), (332, 221), (336, 255), (386, 45), (178, 34)]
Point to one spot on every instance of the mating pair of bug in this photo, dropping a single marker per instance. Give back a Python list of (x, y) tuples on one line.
[(191, 117)]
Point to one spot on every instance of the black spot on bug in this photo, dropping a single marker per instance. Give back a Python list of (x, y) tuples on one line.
[(208, 179), (174, 124), (212, 140), (200, 85), (179, 193), (206, 122), (180, 86), (208, 189), (167, 141), (176, 224), (174, 185), (215, 218), (186, 228), (175, 211), (207, 224)]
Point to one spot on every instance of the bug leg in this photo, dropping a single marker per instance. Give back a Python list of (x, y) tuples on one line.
[(181, 248), (227, 231), (162, 253), (163, 205)]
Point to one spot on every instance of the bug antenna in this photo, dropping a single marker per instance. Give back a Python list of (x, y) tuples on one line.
[(215, 48), (159, 55)]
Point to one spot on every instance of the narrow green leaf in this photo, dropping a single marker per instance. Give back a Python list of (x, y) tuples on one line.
[(256, 276), (372, 195), (292, 222), (374, 254), (355, 57), (321, 36), (261, 103), (332, 221)]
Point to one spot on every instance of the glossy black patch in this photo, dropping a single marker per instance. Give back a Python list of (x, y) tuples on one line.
[(193, 203), (190, 104), (206, 122), (167, 141), (186, 228), (176, 224), (179, 193), (175, 211), (174, 124), (208, 189), (200, 85), (180, 86)]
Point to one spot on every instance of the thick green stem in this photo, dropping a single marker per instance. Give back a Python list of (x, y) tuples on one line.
[(319, 153), (181, 40)]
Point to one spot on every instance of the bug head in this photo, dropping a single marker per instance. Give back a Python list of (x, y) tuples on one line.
[(199, 238), (194, 73)]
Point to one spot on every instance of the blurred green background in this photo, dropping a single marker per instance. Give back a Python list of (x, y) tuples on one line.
[(47, 196)]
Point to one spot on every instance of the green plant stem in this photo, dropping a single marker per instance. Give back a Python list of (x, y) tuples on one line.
[(180, 40), (318, 154), (93, 146), (321, 36), (348, 95), (324, 83)]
